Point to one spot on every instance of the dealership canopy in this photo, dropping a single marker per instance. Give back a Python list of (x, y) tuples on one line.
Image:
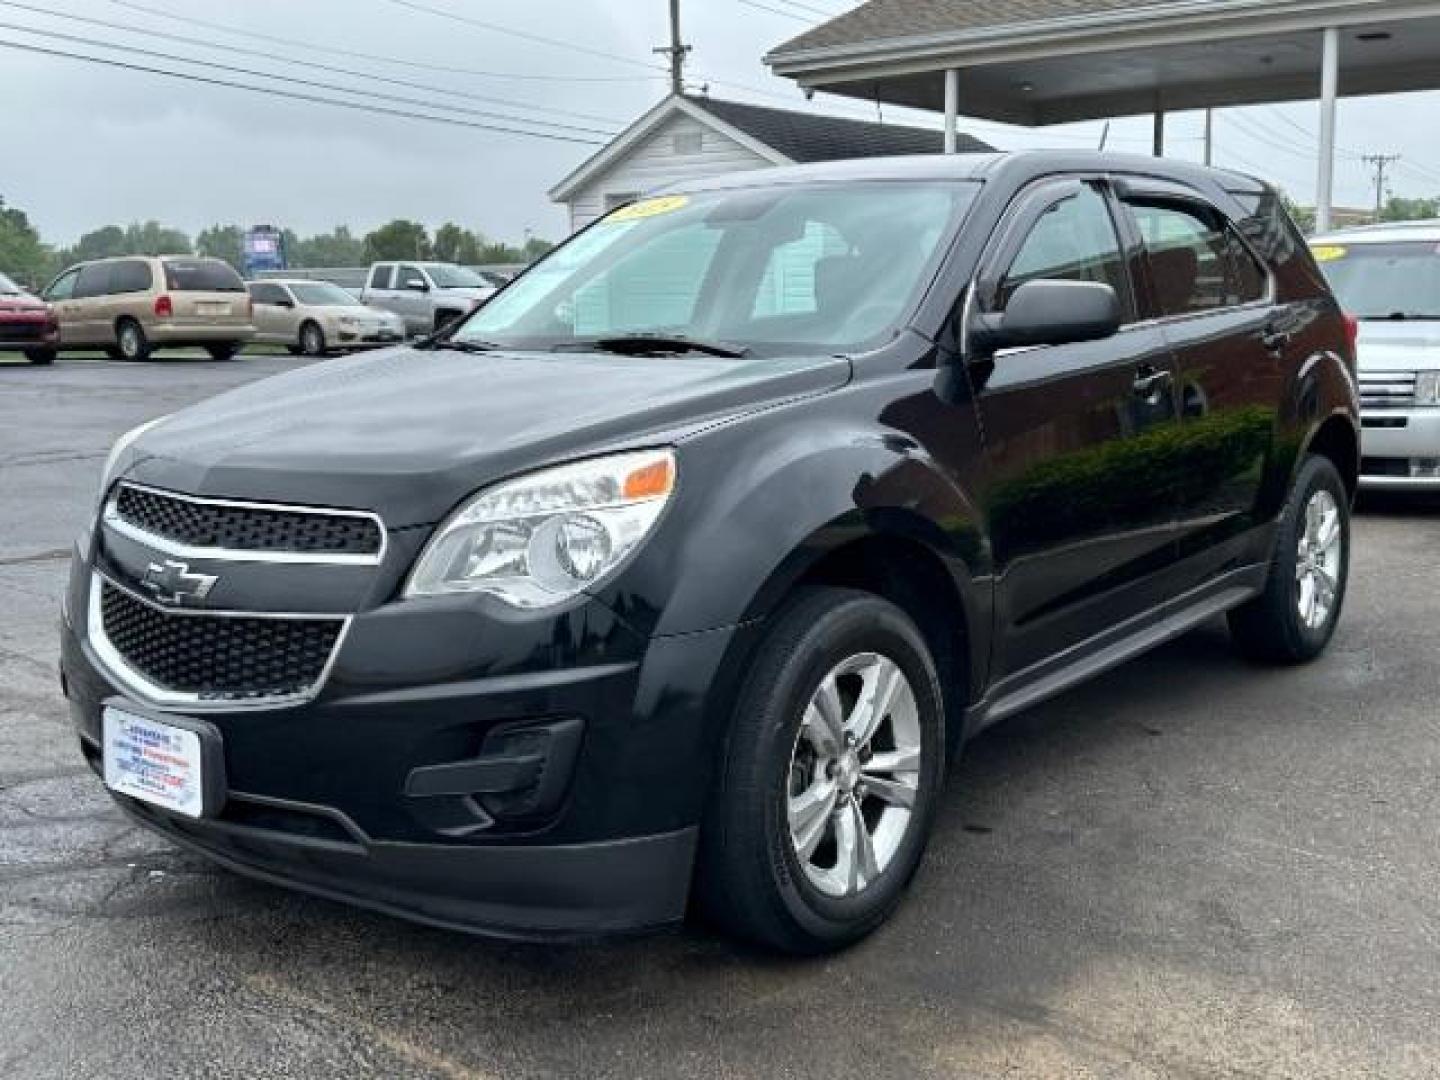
[(1037, 62)]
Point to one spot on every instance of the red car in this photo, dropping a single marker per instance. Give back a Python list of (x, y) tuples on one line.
[(27, 324)]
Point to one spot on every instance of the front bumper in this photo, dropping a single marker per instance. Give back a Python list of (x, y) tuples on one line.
[(321, 794), (1392, 440)]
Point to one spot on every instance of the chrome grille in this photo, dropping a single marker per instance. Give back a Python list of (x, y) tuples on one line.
[(1387, 389), (191, 524), (187, 656)]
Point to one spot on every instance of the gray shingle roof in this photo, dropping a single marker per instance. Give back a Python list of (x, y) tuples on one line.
[(806, 137), (881, 20)]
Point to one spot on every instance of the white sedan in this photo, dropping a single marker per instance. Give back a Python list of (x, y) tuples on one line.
[(314, 318)]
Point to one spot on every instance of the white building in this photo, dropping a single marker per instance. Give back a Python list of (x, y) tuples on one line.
[(689, 138)]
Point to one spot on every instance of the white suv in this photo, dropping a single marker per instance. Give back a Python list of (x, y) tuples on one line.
[(1388, 276)]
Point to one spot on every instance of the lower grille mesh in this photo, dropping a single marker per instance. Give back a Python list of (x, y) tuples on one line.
[(218, 657)]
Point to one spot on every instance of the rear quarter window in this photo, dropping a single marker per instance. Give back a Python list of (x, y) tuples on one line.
[(380, 276), (201, 275)]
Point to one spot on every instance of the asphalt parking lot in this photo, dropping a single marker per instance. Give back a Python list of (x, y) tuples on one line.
[(1189, 868)]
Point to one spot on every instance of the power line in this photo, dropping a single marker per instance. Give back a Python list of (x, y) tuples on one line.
[(242, 51), (525, 35), (811, 8), (310, 83), (807, 19), (394, 61), (355, 106)]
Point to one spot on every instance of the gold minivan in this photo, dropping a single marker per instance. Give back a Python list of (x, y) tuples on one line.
[(132, 305)]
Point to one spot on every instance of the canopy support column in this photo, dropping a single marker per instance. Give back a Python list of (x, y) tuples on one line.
[(952, 110), (1329, 91), (1159, 132)]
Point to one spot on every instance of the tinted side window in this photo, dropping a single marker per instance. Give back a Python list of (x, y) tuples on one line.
[(1074, 241), (94, 280), (63, 287), (408, 276), (380, 276), (130, 276), (1197, 263), (268, 294), (201, 275)]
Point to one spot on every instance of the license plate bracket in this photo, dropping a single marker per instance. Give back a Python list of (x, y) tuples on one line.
[(174, 762)]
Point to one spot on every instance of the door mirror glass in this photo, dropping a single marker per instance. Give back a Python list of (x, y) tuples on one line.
[(1049, 312)]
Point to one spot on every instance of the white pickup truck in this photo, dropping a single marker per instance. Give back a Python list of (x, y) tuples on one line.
[(426, 295)]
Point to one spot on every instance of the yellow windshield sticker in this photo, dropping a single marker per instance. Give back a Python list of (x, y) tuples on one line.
[(648, 208), (1329, 252)]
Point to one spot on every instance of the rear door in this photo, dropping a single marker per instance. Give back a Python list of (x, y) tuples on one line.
[(1082, 516), (129, 291), (1234, 346), (275, 318), (378, 291), (207, 293)]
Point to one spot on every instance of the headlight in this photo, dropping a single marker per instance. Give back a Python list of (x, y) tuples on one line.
[(544, 538), (122, 444), (1427, 388)]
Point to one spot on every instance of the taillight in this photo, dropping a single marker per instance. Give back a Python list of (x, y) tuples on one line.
[(1352, 331), (164, 307)]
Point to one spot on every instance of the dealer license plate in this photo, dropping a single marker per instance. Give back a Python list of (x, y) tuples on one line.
[(154, 762)]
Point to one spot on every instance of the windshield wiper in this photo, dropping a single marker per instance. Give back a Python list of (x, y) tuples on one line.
[(454, 345), (654, 345)]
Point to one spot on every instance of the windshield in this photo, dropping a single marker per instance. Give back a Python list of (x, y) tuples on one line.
[(784, 268), (455, 277), (1384, 281), (8, 287), (323, 295)]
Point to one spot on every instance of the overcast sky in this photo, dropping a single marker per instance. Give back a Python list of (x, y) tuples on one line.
[(85, 146)]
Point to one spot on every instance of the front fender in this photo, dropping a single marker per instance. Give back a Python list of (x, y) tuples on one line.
[(760, 503)]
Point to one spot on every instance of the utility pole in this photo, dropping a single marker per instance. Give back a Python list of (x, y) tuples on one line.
[(1381, 164), (676, 50)]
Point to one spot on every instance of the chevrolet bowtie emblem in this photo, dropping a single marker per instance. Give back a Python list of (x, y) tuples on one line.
[(172, 582)]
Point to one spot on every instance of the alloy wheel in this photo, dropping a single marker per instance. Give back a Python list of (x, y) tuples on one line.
[(854, 774), (1319, 560)]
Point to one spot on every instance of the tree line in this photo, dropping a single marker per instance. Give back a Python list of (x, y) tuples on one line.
[(27, 258)]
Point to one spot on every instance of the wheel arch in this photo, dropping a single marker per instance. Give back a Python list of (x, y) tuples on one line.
[(1335, 438)]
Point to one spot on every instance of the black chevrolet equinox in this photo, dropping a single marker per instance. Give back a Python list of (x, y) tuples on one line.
[(670, 579)]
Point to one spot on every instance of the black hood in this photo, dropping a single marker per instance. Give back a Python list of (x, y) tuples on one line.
[(408, 432)]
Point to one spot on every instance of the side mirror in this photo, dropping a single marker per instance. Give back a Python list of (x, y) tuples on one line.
[(416, 284), (1050, 313), (285, 303)]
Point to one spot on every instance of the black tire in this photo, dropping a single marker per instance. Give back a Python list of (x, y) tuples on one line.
[(312, 340), (293, 350), (226, 350), (41, 357), (131, 344), (749, 878), (1271, 628)]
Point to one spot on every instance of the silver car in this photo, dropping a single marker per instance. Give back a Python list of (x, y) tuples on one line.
[(1388, 276), (315, 318)]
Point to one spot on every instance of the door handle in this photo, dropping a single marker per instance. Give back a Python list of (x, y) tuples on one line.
[(1150, 381), (1276, 339)]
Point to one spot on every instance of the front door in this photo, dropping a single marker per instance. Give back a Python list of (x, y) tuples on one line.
[(1081, 509)]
